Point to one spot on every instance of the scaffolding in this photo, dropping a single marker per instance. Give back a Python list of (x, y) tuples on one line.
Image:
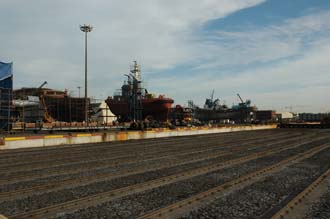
[(6, 91), (6, 109), (48, 105)]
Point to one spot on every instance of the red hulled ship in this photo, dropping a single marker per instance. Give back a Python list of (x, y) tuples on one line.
[(134, 103)]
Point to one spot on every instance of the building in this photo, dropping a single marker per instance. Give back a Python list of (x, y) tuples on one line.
[(313, 117), (264, 116)]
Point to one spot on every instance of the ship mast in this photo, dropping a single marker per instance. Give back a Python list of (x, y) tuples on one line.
[(136, 71), (135, 99)]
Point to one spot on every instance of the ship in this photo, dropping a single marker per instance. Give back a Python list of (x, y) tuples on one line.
[(213, 110), (134, 103), (47, 105)]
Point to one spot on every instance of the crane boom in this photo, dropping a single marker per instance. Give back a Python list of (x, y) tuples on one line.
[(46, 117), (240, 98), (43, 84)]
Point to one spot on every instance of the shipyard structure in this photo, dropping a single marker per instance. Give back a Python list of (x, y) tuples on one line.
[(48, 108), (47, 105), (40, 108)]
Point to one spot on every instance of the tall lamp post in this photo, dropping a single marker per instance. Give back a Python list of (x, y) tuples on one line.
[(86, 28)]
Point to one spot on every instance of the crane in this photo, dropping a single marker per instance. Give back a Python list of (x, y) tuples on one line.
[(245, 109), (42, 85), (46, 117), (240, 98)]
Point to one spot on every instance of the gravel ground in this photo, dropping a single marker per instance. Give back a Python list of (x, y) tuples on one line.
[(96, 161), (102, 169), (134, 205), (258, 199), (109, 157), (168, 194), (36, 201), (151, 149), (320, 209), (108, 170)]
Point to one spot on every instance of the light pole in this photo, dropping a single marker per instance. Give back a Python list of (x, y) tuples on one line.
[(86, 28)]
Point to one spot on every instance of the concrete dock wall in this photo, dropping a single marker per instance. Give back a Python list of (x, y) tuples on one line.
[(55, 140)]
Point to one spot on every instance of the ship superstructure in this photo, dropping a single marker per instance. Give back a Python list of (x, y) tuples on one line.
[(213, 110), (134, 103)]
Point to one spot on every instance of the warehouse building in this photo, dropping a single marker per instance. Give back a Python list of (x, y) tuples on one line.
[(313, 117)]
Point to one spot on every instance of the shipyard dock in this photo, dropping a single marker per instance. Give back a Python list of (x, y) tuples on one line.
[(273, 173)]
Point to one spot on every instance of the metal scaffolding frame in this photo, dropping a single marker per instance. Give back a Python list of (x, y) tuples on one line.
[(6, 109)]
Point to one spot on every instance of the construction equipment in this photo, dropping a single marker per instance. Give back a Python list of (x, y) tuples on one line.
[(46, 117)]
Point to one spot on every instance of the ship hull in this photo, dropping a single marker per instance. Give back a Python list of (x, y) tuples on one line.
[(156, 108), (58, 104), (205, 115)]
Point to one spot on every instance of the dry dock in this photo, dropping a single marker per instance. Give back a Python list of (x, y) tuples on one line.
[(252, 174)]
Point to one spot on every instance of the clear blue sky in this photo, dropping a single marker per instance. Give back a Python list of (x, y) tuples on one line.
[(274, 52)]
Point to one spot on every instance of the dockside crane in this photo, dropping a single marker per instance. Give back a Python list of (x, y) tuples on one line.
[(42, 85), (245, 108), (244, 103), (239, 96)]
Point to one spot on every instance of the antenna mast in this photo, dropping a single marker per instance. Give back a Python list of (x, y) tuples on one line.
[(136, 71)]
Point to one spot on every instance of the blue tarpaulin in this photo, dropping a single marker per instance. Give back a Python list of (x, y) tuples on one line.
[(6, 70)]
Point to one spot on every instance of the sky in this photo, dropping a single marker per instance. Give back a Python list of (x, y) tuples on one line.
[(274, 52)]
